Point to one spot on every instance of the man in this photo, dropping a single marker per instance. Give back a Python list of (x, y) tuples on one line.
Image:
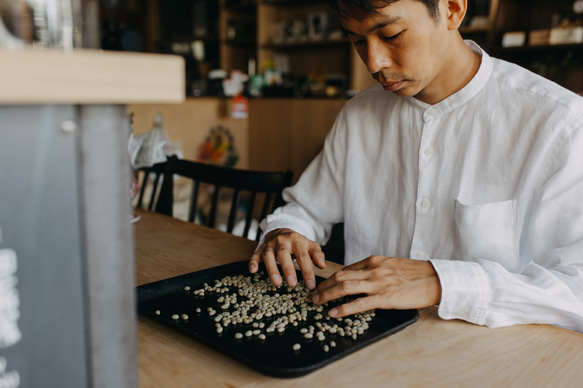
[(459, 179)]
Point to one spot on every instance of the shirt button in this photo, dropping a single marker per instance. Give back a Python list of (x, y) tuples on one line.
[(425, 204), (428, 151), (429, 114), (419, 255)]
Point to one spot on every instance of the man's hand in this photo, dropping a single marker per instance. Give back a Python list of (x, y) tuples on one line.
[(282, 245), (388, 283)]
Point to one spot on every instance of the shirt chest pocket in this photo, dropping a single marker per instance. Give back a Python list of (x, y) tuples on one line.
[(487, 231)]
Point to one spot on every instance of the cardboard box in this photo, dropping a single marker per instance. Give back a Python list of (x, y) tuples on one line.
[(539, 37), (514, 39), (566, 35)]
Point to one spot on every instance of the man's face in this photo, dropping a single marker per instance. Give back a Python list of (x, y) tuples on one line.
[(403, 47)]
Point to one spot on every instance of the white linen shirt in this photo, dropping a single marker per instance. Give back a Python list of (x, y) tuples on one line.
[(486, 184)]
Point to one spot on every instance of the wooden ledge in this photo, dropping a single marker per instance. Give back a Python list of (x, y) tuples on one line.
[(89, 77)]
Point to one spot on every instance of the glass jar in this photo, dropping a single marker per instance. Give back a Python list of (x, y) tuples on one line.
[(61, 24)]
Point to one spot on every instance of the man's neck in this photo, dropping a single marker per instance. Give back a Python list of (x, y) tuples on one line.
[(460, 67)]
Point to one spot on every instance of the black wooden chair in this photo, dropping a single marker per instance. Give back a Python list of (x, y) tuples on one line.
[(157, 170), (255, 186)]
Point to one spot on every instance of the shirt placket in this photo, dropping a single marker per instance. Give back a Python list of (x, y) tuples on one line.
[(425, 201)]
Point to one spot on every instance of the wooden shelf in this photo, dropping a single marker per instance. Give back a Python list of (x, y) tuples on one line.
[(240, 6), (548, 47), (190, 38), (240, 42), (310, 44), (292, 3), (514, 15)]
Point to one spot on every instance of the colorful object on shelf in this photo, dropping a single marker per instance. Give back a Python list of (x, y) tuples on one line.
[(219, 148), (240, 107)]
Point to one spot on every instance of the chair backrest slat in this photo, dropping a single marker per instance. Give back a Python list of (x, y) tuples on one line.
[(142, 189), (158, 171), (194, 201), (241, 181), (233, 211), (214, 206), (249, 215), (154, 191)]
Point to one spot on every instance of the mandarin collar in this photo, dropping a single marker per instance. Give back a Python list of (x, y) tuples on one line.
[(467, 92)]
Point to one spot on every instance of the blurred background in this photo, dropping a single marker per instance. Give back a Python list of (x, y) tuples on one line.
[(295, 47)]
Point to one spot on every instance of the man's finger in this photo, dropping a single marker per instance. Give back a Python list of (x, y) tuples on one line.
[(340, 290), (356, 306), (341, 276), (305, 262), (285, 260), (318, 257), (369, 262), (271, 266), (254, 262)]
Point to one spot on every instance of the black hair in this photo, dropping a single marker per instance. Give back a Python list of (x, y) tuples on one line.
[(353, 8)]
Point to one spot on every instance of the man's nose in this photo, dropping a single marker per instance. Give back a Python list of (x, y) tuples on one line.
[(377, 57)]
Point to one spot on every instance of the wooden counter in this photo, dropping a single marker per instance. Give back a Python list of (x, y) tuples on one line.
[(89, 77), (288, 133), (430, 353)]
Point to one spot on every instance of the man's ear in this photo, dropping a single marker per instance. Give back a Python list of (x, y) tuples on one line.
[(456, 11)]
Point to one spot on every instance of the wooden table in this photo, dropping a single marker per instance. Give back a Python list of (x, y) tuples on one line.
[(431, 352)]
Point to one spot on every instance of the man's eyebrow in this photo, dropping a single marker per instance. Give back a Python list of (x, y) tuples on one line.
[(383, 23)]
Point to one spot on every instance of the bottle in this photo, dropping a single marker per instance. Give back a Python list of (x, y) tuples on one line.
[(256, 81)]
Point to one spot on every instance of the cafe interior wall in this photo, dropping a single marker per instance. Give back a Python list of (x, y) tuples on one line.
[(190, 123)]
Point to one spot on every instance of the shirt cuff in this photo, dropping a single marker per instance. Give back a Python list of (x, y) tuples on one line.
[(464, 290), (279, 221)]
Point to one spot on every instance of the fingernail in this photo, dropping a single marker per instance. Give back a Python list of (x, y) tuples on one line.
[(333, 312), (253, 266), (310, 283), (275, 279), (315, 297), (291, 281)]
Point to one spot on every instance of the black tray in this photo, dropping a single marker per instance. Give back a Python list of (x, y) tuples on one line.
[(274, 356)]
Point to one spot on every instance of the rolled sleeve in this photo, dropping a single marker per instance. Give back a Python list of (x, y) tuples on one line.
[(464, 290)]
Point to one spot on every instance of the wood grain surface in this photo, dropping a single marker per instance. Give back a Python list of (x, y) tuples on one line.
[(430, 353), (49, 76)]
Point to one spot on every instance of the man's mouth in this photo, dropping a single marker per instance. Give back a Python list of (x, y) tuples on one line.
[(392, 86)]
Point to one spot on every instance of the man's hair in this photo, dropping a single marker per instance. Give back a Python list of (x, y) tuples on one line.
[(352, 8)]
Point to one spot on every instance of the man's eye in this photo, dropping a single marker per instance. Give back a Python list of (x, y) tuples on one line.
[(393, 37)]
